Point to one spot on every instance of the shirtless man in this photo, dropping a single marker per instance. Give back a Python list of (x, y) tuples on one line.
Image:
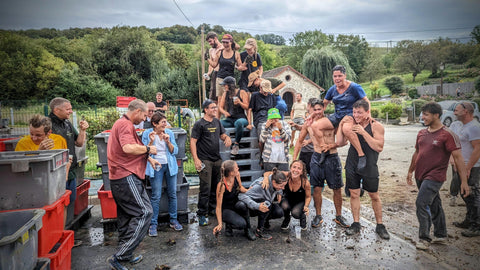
[(328, 168), (211, 74)]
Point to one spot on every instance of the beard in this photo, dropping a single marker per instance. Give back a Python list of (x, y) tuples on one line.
[(214, 45)]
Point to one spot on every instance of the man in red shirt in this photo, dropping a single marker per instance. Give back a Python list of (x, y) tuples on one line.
[(127, 159), (434, 146)]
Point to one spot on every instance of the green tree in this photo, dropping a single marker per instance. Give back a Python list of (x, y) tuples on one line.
[(414, 56), (300, 43), (271, 39), (394, 84), (475, 34), (317, 65), (356, 50), (373, 69)]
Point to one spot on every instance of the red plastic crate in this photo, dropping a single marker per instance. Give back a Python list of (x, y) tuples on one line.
[(53, 224), (61, 259), (81, 202), (123, 102), (109, 207), (2, 144)]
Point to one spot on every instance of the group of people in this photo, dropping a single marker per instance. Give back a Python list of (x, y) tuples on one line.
[(285, 191)]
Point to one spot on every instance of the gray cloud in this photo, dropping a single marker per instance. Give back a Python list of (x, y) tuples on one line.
[(374, 19)]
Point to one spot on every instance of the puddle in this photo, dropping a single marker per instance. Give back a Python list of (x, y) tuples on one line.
[(96, 236)]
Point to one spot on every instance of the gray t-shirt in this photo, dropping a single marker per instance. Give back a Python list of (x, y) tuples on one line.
[(467, 133)]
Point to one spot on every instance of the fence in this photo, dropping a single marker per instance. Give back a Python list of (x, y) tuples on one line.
[(17, 114), (449, 89)]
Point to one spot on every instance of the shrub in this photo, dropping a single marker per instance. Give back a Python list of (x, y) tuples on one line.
[(412, 93), (394, 84), (425, 82), (374, 112), (418, 103), (394, 111), (477, 84), (98, 124)]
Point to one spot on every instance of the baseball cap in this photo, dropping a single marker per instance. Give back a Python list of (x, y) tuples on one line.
[(227, 37), (253, 76), (207, 103), (228, 80), (266, 86), (273, 113), (250, 43)]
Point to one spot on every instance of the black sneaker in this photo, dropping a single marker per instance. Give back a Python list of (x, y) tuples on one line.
[(317, 221), (285, 224), (115, 264), (463, 225), (353, 229), (250, 234), (228, 230), (471, 232), (382, 232), (303, 223), (260, 233), (341, 221)]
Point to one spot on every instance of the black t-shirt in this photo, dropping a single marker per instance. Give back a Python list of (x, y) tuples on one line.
[(208, 138), (160, 104), (260, 105), (255, 65), (275, 82)]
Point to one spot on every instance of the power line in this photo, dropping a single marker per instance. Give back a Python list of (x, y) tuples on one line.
[(183, 13), (354, 33)]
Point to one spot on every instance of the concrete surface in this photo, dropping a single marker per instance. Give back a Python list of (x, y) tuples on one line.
[(326, 247)]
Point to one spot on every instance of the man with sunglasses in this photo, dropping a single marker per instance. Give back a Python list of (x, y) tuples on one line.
[(468, 130)]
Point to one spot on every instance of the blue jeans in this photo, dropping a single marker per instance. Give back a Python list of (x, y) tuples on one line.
[(72, 186), (239, 124), (156, 183), (429, 209)]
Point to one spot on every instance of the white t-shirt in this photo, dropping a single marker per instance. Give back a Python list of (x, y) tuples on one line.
[(161, 155), (467, 133), (278, 148)]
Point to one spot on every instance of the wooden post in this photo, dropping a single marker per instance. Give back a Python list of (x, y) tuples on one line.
[(204, 95)]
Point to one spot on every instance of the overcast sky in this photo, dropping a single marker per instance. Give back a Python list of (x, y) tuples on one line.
[(377, 20)]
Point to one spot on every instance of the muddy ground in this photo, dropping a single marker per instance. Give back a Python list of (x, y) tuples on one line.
[(398, 200)]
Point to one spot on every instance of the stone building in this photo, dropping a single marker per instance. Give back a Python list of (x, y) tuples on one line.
[(295, 82)]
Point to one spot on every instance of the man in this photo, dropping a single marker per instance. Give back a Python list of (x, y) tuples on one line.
[(433, 148), (260, 103), (41, 137), (127, 161), (468, 130), (297, 114), (61, 109), (160, 104), (146, 123), (205, 149), (254, 81), (275, 136), (371, 136), (329, 169), (211, 74)]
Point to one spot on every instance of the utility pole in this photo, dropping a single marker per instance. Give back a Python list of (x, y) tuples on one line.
[(204, 95)]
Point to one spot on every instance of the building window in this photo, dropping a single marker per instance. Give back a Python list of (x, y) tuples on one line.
[(288, 77)]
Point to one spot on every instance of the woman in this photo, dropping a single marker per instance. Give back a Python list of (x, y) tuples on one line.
[(252, 61), (164, 140), (343, 94), (259, 201), (226, 59), (297, 195), (233, 104), (227, 208)]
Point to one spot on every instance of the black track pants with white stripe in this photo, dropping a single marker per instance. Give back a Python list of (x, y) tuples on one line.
[(134, 213)]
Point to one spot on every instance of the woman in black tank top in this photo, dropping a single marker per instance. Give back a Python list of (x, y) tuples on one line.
[(297, 195), (227, 210)]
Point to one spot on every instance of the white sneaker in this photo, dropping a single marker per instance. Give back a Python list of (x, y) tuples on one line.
[(235, 149), (453, 201), (422, 244), (440, 240)]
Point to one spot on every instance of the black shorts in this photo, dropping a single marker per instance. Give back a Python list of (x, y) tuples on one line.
[(353, 180), (330, 170), (335, 119), (306, 157)]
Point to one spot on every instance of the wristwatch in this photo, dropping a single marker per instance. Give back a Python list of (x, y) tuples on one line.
[(148, 149)]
